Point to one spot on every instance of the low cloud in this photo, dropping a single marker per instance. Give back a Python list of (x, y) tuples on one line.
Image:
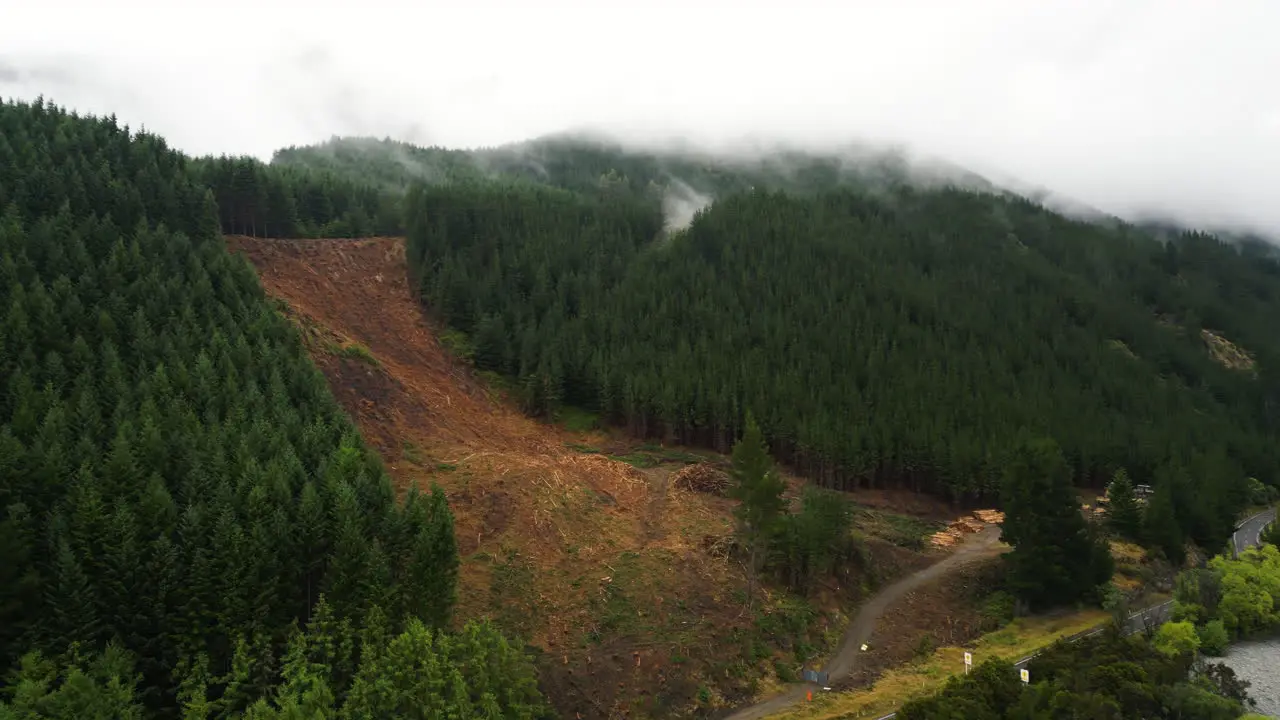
[(1150, 106), (680, 204)]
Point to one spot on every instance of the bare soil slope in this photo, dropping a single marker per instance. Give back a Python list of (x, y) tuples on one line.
[(592, 560), (615, 575)]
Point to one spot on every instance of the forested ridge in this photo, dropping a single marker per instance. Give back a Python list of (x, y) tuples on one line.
[(262, 201), (188, 520), (884, 329), (179, 490), (584, 164)]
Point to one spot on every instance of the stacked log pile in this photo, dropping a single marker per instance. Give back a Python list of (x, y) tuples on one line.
[(957, 529), (991, 517)]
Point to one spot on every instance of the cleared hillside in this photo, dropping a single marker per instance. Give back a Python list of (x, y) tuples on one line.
[(889, 328), (595, 562), (590, 559)]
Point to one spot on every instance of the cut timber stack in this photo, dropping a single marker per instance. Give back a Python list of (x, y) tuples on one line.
[(702, 477), (957, 529), (967, 525), (991, 517), (946, 538)]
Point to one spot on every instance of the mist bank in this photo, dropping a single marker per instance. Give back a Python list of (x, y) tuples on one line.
[(686, 175)]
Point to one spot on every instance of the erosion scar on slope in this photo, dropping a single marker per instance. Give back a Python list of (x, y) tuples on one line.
[(512, 482), (358, 289)]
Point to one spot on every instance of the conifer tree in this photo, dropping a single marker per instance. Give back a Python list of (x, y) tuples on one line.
[(1123, 513), (77, 686), (1160, 525), (757, 487), (1054, 558)]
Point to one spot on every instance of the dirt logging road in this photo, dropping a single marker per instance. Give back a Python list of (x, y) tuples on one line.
[(979, 546)]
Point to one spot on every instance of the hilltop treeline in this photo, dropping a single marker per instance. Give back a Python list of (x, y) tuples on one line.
[(266, 201), (908, 340), (178, 488), (882, 332), (593, 164)]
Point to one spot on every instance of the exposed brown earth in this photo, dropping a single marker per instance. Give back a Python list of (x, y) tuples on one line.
[(616, 577)]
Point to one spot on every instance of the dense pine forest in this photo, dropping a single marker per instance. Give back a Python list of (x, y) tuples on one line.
[(188, 520), (190, 525), (261, 201), (887, 327)]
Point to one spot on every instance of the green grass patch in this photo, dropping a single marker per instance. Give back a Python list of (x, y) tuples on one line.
[(357, 351), (631, 605), (637, 459), (352, 350), (576, 419), (412, 453), (458, 344), (648, 456), (511, 595), (927, 675), (903, 530)]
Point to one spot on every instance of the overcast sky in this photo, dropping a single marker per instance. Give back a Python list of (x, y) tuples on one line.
[(1160, 105)]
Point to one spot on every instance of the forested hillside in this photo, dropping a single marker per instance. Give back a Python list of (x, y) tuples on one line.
[(178, 488), (909, 341), (261, 201), (885, 331), (591, 164)]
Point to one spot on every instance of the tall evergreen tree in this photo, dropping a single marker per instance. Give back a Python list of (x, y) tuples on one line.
[(1160, 525), (1123, 513), (1054, 559), (757, 487)]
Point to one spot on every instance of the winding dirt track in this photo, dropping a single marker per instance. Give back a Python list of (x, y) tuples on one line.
[(980, 546)]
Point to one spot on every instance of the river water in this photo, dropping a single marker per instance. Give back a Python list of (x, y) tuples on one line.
[(1258, 661)]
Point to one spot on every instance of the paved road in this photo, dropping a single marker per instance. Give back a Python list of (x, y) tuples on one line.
[(1249, 533)]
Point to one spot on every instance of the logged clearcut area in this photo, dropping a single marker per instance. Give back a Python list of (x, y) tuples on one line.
[(555, 542), (612, 570)]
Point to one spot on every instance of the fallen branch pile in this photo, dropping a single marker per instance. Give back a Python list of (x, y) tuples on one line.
[(701, 477)]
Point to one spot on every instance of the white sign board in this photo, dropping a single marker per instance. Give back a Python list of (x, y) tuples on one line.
[(968, 659), (864, 647), (1026, 675)]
